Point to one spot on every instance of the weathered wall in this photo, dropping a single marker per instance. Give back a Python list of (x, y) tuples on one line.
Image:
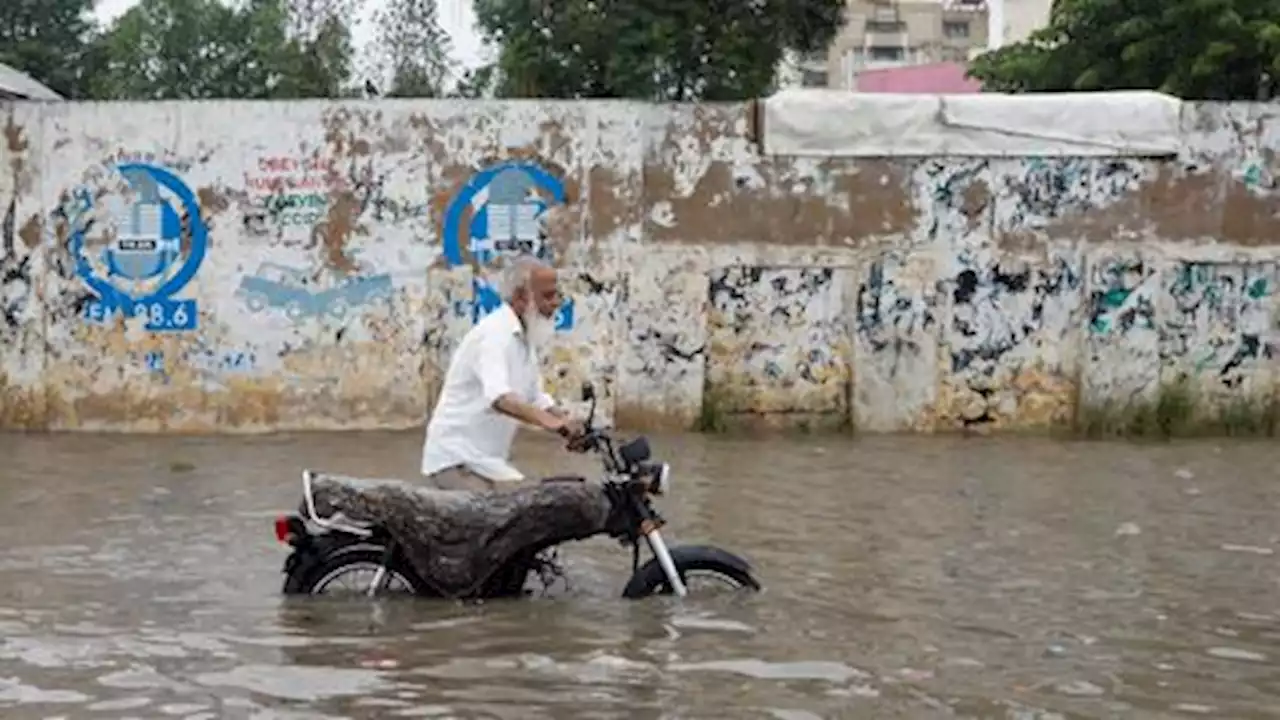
[(309, 265)]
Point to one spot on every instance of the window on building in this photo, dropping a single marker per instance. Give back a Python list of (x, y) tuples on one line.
[(887, 54), (956, 28), (813, 78)]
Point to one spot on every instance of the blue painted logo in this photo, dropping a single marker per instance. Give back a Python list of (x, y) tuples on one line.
[(294, 292), (498, 212), (153, 250)]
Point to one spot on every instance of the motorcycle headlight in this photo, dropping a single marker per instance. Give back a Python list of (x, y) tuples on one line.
[(662, 479)]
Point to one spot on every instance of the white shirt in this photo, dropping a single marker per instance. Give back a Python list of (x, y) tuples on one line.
[(493, 359)]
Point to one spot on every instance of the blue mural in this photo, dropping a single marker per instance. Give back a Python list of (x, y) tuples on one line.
[(294, 292), (498, 212), (153, 252)]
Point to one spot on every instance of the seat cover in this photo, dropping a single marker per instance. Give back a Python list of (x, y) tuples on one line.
[(456, 540)]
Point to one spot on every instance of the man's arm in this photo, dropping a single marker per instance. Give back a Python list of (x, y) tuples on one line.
[(496, 382)]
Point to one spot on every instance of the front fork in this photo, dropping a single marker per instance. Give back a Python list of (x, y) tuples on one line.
[(658, 546), (380, 577)]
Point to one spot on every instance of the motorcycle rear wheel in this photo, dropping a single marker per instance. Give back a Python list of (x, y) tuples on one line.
[(321, 577)]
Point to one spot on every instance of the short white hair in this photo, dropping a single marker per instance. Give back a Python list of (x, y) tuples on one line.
[(518, 272)]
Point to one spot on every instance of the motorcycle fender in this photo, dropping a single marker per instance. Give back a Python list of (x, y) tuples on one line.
[(681, 553)]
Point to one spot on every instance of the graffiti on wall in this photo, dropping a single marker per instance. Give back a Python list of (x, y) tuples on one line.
[(897, 324), (16, 288), (1221, 319), (663, 343), (215, 361), (894, 317), (138, 248), (300, 294), (956, 198), (286, 192), (499, 213), (1006, 317), (778, 339), (1121, 296), (1042, 190), (1122, 360), (1257, 176)]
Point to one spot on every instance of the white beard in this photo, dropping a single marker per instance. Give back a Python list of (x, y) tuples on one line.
[(538, 329)]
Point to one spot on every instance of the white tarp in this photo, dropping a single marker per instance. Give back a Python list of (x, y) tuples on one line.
[(16, 83), (835, 123)]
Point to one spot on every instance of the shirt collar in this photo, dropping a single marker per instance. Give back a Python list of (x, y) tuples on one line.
[(512, 320)]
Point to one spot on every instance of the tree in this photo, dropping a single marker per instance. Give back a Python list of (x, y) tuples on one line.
[(412, 49), (190, 49), (49, 40), (319, 55), (476, 83), (660, 50), (1194, 49), (175, 49)]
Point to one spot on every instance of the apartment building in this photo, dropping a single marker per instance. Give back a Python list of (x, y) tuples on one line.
[(881, 34)]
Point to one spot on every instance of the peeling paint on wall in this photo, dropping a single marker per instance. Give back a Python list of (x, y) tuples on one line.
[(1009, 338), (1122, 348), (1221, 326), (22, 338), (778, 342), (348, 250), (896, 372)]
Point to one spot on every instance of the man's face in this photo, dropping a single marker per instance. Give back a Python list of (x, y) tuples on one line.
[(544, 291)]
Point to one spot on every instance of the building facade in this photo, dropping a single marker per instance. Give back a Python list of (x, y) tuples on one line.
[(881, 34)]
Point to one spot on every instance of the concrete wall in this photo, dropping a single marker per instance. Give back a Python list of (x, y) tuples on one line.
[(310, 265)]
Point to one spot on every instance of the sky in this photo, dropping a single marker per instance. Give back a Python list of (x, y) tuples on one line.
[(456, 17)]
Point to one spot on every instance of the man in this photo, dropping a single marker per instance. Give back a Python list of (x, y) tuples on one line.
[(493, 384)]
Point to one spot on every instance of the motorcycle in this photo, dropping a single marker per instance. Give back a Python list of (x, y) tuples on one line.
[(467, 545)]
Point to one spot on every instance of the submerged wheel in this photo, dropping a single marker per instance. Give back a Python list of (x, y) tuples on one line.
[(351, 571), (702, 568)]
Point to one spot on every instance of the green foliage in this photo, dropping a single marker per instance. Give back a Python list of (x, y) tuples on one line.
[(177, 49), (193, 49), (413, 51), (477, 83), (50, 40), (660, 50), (185, 49), (1193, 49)]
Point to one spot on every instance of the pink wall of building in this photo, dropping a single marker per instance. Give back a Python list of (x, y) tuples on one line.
[(935, 78)]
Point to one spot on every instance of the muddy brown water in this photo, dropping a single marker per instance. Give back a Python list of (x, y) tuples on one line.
[(906, 577)]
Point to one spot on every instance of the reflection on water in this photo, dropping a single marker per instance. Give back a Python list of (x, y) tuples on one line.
[(923, 577)]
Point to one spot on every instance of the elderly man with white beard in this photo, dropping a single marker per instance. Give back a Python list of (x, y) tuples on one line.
[(493, 384)]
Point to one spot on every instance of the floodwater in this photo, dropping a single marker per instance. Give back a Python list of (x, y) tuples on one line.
[(905, 577)]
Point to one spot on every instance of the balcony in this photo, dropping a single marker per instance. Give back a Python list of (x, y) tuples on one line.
[(885, 39), (965, 5), (885, 33)]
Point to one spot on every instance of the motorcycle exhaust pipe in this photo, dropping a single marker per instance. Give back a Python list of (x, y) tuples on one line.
[(660, 551)]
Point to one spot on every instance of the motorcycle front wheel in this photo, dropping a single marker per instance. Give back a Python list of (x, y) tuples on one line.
[(696, 564)]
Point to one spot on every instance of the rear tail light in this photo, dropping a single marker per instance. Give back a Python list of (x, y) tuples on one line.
[(284, 533)]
